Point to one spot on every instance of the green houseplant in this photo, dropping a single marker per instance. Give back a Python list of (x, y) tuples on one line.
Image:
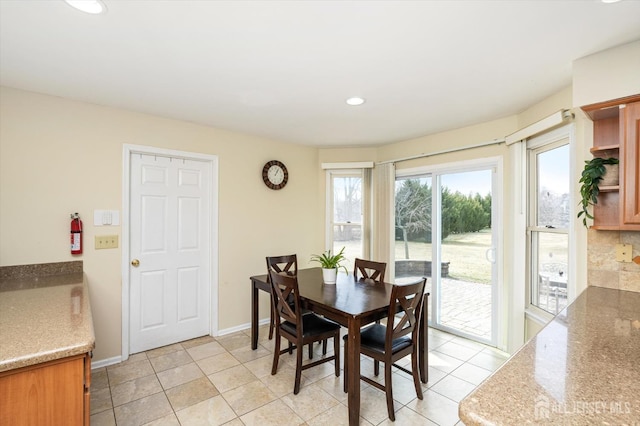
[(330, 264), (592, 175)]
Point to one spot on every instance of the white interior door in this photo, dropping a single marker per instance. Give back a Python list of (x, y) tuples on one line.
[(169, 247)]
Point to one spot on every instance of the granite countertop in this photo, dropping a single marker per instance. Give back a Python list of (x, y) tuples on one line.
[(43, 318), (582, 368)]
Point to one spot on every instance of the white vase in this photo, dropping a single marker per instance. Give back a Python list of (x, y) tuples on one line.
[(329, 276)]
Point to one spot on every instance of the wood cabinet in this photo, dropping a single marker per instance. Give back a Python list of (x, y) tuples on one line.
[(51, 393), (616, 134), (631, 165)]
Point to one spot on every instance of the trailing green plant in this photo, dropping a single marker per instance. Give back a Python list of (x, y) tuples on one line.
[(592, 174), (330, 261)]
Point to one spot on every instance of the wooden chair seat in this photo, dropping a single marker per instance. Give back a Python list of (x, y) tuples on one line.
[(373, 338), (312, 325)]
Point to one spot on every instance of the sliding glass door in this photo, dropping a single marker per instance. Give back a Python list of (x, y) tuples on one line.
[(444, 231)]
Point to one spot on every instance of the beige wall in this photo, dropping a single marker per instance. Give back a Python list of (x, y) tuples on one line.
[(606, 75), (459, 138), (59, 156)]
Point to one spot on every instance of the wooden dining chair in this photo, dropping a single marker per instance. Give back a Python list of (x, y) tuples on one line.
[(288, 265), (394, 341), (299, 329), (368, 270)]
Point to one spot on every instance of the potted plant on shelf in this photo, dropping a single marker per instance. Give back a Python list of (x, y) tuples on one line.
[(330, 264), (592, 177)]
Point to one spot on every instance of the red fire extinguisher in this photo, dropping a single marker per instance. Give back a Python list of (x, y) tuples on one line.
[(76, 234)]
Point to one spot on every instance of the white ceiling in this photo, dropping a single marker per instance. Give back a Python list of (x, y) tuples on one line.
[(283, 69)]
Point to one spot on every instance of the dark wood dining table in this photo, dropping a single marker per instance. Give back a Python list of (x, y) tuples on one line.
[(352, 304)]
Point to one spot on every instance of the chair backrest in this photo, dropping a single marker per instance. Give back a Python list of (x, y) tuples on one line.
[(284, 289), (284, 265), (369, 270), (405, 311)]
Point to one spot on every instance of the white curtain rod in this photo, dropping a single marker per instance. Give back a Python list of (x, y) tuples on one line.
[(445, 151)]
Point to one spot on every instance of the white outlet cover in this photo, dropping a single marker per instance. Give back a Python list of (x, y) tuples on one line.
[(106, 218)]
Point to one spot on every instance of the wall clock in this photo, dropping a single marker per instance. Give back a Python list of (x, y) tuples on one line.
[(275, 174)]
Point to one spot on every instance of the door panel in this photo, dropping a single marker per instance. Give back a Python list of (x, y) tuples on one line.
[(188, 279), (169, 235), (444, 232), (188, 221), (153, 224), (152, 290), (465, 302), (631, 160)]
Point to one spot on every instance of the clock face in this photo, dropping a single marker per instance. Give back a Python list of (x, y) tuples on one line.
[(275, 175)]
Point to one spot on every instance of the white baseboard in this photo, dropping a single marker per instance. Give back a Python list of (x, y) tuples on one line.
[(105, 362), (116, 359), (241, 327)]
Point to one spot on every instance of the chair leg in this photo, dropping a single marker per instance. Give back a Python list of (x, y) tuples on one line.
[(376, 367), (272, 320), (336, 352), (389, 390), (346, 371), (276, 355), (324, 347), (296, 386), (416, 375), (310, 350)]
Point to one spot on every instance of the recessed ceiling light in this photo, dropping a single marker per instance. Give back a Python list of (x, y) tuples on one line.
[(95, 7), (610, 1), (355, 101)]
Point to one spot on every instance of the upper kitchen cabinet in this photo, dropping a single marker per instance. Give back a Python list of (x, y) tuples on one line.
[(631, 169), (616, 133)]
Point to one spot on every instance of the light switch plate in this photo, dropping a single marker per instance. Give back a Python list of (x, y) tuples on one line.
[(106, 241), (623, 252), (106, 217)]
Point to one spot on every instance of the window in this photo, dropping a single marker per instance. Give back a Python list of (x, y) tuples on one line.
[(548, 224), (345, 213)]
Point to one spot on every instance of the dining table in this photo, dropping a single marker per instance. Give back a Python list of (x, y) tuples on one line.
[(351, 303)]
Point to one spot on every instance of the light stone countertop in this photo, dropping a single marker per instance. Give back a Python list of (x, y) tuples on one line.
[(43, 319), (582, 368)]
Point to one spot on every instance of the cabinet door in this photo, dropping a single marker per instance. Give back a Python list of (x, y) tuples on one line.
[(631, 158), (49, 394)]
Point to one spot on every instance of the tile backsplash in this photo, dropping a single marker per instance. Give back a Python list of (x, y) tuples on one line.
[(602, 268)]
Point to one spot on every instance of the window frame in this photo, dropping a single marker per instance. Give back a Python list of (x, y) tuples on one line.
[(330, 196), (545, 142)]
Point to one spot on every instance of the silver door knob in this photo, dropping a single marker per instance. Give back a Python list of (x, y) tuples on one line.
[(135, 263)]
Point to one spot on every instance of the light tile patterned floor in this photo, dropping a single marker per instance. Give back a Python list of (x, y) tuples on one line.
[(221, 381)]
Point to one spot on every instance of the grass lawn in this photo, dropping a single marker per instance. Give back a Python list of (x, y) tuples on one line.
[(467, 253)]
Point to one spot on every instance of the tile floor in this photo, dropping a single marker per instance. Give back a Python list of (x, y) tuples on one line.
[(221, 381)]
